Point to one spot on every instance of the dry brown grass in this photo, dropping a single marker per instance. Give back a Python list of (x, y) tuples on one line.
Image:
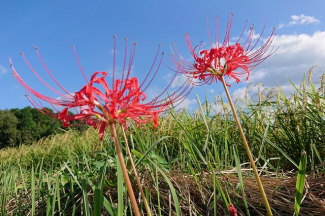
[(280, 192)]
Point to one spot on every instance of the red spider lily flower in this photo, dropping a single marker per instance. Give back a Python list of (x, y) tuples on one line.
[(232, 210), (234, 60), (98, 105)]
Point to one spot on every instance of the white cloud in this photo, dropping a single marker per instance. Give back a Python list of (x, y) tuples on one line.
[(258, 76), (296, 54), (187, 103), (152, 92), (303, 19), (300, 20), (240, 92), (250, 90), (177, 82), (3, 70), (281, 25)]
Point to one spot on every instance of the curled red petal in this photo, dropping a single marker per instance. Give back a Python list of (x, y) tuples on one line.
[(102, 130)]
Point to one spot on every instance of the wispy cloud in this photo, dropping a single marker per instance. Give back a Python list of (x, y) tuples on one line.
[(187, 103), (300, 20), (296, 54), (178, 81), (3, 70)]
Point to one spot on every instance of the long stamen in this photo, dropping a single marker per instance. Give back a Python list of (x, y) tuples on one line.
[(179, 56), (154, 75), (217, 32), (207, 21), (132, 53), (124, 60), (170, 83), (226, 39), (259, 38), (37, 94), (152, 65), (48, 71), (242, 32), (78, 62), (114, 55), (36, 74)]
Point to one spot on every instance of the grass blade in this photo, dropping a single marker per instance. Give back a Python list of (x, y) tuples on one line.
[(150, 149), (98, 195), (171, 187), (241, 181), (120, 188), (33, 192), (300, 184), (86, 209)]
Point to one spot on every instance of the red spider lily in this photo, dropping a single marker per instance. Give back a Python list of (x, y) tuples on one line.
[(98, 105), (226, 59), (232, 210)]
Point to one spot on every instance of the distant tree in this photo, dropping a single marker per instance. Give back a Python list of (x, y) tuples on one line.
[(76, 125), (16, 112), (28, 127), (9, 135), (45, 124)]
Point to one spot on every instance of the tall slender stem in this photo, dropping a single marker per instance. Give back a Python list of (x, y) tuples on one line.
[(136, 174), (124, 170), (249, 154)]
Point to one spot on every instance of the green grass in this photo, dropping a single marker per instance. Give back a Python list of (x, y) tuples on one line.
[(189, 165)]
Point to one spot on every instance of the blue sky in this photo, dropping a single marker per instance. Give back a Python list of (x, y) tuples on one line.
[(54, 26)]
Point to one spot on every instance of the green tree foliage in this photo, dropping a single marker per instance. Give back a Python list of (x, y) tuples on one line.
[(28, 125), (9, 134), (44, 124)]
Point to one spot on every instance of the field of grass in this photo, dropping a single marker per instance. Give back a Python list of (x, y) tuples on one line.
[(193, 164)]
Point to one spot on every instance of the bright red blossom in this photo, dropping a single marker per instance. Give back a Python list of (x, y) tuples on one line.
[(98, 105), (226, 59)]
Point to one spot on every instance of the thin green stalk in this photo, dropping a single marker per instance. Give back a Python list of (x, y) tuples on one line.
[(125, 172), (249, 154), (136, 173), (120, 188)]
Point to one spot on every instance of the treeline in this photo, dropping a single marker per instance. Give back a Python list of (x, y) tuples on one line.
[(27, 125)]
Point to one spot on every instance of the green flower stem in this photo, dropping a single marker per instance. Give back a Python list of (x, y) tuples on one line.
[(125, 172), (136, 174), (249, 154)]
